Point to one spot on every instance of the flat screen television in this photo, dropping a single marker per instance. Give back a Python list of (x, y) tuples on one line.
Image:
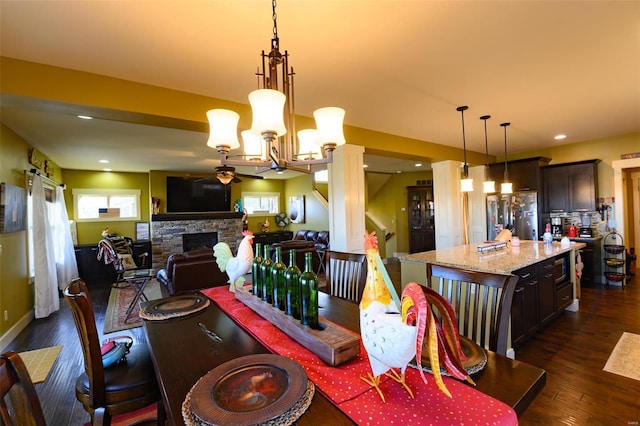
[(190, 195)]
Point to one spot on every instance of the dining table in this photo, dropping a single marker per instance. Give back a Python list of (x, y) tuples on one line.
[(182, 354)]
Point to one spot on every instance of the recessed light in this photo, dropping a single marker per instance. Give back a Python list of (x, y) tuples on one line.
[(85, 117), (364, 166), (103, 161), (398, 171), (418, 164), (559, 137), (106, 170)]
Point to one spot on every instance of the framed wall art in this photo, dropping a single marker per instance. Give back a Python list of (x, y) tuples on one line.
[(13, 208), (296, 209)]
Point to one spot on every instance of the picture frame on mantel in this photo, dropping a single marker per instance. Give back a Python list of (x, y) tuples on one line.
[(296, 209), (13, 208)]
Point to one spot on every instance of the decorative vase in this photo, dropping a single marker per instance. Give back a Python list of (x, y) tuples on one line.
[(277, 280), (309, 294), (265, 276), (292, 286), (256, 279)]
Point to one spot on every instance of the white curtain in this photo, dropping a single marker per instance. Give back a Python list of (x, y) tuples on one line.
[(65, 255), (46, 280)]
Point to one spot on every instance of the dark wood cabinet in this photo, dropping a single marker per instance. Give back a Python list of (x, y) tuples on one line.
[(422, 230), (524, 309), (571, 187), (525, 174), (591, 257), (547, 291), (93, 271)]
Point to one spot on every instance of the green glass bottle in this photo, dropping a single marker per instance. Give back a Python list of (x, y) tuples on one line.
[(292, 286), (277, 280), (265, 275), (256, 280), (309, 294)]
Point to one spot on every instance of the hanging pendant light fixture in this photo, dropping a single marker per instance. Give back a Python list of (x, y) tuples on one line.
[(488, 186), (274, 122), (506, 187), (466, 183)]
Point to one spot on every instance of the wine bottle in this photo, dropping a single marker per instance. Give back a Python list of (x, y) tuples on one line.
[(292, 285), (277, 280), (256, 279), (309, 294), (265, 268)]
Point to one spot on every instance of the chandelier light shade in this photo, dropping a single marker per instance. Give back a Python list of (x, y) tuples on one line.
[(466, 183), (506, 187), (309, 148), (488, 186), (273, 121), (267, 107), (329, 124), (253, 146), (223, 125)]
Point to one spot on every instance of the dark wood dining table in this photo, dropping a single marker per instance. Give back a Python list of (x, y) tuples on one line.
[(182, 354)]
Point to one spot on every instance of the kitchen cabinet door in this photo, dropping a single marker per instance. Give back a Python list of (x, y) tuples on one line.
[(547, 291), (524, 309), (556, 190), (582, 187)]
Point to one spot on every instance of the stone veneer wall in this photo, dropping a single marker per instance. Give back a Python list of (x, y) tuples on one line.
[(167, 230)]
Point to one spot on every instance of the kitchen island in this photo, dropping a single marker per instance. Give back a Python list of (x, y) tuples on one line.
[(548, 282)]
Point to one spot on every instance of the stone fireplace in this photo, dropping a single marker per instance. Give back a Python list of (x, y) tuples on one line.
[(167, 232)]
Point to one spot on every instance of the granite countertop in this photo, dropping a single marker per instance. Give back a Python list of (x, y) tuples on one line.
[(502, 261)]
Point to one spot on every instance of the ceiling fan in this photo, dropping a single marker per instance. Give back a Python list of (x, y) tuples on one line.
[(227, 175)]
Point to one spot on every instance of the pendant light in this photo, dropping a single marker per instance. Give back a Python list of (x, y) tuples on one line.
[(506, 187), (466, 183), (488, 186)]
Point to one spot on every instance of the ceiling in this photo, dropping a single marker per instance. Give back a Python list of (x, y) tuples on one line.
[(396, 66)]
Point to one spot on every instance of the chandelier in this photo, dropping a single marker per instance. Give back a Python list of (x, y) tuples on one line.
[(271, 142)]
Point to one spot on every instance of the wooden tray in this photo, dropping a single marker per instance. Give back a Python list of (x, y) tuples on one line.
[(333, 344)]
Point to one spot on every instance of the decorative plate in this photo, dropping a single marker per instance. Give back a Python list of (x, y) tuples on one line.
[(475, 362), (175, 306), (253, 389)]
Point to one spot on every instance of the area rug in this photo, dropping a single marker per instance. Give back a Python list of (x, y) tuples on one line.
[(40, 361), (625, 357), (119, 300), (147, 413)]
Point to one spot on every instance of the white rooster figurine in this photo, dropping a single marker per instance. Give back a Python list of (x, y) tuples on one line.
[(235, 267), (394, 331), (388, 336)]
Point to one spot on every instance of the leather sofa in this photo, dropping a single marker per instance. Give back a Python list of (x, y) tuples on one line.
[(191, 271), (301, 247), (320, 238)]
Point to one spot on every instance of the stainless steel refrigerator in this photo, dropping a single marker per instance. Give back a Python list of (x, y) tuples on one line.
[(517, 212)]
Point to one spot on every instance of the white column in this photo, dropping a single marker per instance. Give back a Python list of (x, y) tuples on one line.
[(447, 200), (346, 199), (477, 207)]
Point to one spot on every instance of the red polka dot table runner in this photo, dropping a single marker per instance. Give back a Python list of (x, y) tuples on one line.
[(358, 400)]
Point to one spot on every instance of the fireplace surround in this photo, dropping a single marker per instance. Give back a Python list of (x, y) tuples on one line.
[(167, 231)]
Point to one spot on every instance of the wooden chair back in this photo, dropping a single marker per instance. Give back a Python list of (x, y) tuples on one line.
[(482, 301), (346, 274), (120, 388), (19, 403)]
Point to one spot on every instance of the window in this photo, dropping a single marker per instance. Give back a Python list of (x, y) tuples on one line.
[(261, 202), (94, 205), (321, 176)]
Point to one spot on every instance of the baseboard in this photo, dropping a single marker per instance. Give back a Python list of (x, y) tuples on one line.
[(16, 329)]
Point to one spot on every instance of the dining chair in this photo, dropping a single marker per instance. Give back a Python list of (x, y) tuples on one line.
[(120, 388), (481, 300), (19, 403), (345, 274)]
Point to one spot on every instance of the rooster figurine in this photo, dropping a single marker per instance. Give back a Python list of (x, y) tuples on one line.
[(393, 330), (235, 267)]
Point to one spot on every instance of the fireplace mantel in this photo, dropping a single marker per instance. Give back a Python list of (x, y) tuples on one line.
[(195, 216)]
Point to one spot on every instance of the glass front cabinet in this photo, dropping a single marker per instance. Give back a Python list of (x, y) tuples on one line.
[(421, 219)]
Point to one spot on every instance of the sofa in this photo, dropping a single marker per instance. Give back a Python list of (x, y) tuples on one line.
[(304, 241), (320, 239), (191, 271)]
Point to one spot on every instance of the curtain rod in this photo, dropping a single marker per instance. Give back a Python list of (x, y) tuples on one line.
[(37, 172)]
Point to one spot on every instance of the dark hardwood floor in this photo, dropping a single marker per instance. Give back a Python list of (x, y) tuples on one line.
[(573, 349)]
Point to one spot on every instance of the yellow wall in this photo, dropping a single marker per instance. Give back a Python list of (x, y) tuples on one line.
[(90, 232), (16, 293)]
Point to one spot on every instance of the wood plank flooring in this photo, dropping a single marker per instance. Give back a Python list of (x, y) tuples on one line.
[(573, 350)]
